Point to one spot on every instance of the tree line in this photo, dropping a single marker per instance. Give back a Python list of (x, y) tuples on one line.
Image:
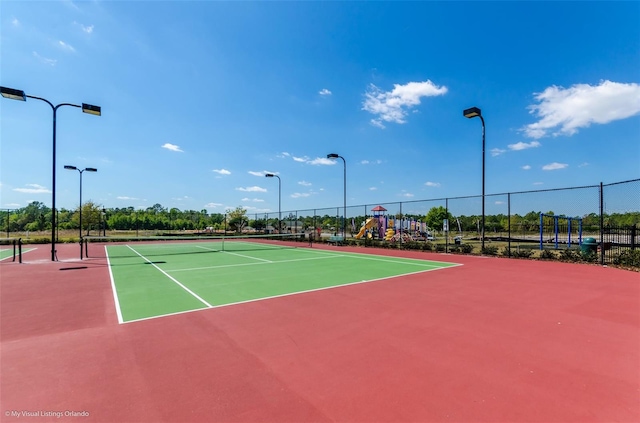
[(37, 217)]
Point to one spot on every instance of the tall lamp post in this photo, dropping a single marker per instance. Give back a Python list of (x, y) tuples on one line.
[(86, 108), (471, 113), (104, 221), (344, 217), (272, 175), (88, 169)]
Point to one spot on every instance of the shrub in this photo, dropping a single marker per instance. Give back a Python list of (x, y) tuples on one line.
[(440, 248), (548, 255), (630, 258), (522, 253), (490, 250), (589, 256), (569, 255), (466, 248)]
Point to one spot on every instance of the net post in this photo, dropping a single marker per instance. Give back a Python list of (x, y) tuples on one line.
[(19, 250)]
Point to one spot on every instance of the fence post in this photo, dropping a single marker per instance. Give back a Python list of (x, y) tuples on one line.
[(446, 233), (509, 224), (601, 224)]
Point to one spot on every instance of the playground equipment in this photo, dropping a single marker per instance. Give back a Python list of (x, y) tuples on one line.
[(385, 227), (556, 220), (369, 224)]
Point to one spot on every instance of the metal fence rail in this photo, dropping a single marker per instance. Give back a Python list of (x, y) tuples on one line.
[(514, 217)]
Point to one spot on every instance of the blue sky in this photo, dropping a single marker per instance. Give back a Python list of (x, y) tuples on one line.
[(200, 99)]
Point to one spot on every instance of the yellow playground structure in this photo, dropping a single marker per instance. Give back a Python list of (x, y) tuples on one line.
[(369, 225)]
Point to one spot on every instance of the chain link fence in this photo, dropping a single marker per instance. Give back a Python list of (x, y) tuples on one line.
[(600, 219)]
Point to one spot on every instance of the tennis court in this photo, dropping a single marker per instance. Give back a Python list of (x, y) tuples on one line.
[(320, 334), (159, 278)]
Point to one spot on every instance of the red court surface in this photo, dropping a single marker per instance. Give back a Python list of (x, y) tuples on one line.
[(494, 340)]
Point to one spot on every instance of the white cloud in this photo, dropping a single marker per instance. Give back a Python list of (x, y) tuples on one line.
[(50, 62), (585, 164), (322, 161), (252, 189), (555, 166), (66, 46), (500, 202), (391, 106), (87, 29), (523, 145), (212, 205), (222, 171), (324, 92), (256, 173), (562, 111), (299, 195), (497, 151), (373, 189), (33, 189), (254, 200), (526, 167), (304, 183), (172, 147), (538, 183), (432, 184), (300, 159), (366, 162), (407, 194), (15, 21), (122, 197)]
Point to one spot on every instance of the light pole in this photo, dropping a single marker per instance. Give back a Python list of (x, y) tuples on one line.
[(88, 169), (86, 108), (344, 217), (104, 222), (471, 113), (272, 175)]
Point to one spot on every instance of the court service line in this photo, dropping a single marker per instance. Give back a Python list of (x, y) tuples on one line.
[(403, 260), (234, 254), (172, 278), (247, 264)]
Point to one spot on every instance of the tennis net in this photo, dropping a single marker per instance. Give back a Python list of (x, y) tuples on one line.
[(171, 245), (11, 247)]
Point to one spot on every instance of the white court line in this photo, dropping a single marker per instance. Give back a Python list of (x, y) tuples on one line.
[(402, 260), (246, 264), (113, 288), (235, 254), (326, 255), (288, 294), (23, 252), (172, 278)]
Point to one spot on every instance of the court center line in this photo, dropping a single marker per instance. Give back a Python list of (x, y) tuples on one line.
[(247, 264), (172, 278), (234, 254), (414, 262)]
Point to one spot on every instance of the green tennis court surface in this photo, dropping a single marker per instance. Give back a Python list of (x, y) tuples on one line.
[(153, 280), (6, 253)]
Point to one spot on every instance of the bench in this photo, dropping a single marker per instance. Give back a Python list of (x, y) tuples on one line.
[(336, 239)]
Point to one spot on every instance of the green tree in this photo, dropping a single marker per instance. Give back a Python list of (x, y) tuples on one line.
[(436, 215), (237, 219)]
